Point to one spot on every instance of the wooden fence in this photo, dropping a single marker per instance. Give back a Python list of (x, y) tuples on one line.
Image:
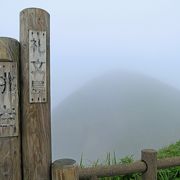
[(148, 165)]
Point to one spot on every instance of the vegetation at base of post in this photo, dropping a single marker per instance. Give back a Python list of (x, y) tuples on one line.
[(166, 174), (169, 151)]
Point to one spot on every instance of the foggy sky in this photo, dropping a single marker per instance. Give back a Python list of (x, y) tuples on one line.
[(90, 38)]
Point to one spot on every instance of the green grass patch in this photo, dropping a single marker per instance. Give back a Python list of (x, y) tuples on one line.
[(167, 174)]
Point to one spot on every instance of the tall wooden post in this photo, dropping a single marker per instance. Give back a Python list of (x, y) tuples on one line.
[(35, 93), (149, 156), (10, 159)]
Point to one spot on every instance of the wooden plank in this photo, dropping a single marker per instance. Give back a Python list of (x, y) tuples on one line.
[(37, 67), (149, 156), (10, 158), (36, 129), (9, 116), (65, 169)]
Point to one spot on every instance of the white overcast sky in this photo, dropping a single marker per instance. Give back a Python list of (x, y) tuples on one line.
[(92, 37)]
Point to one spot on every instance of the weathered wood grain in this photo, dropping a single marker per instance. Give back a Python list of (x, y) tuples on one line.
[(36, 129), (9, 99), (37, 66), (94, 178), (149, 156), (10, 158), (113, 170), (65, 169)]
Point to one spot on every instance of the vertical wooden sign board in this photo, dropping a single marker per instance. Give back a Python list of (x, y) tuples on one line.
[(8, 99), (10, 160), (35, 93), (37, 66)]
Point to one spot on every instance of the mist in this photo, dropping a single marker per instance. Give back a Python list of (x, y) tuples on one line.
[(122, 112), (89, 39)]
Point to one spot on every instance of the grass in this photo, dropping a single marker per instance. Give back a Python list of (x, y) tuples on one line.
[(167, 174), (169, 151)]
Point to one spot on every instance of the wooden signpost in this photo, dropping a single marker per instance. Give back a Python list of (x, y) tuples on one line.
[(10, 150), (25, 129), (35, 94)]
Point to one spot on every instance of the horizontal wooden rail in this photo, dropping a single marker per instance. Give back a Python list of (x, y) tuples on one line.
[(147, 166), (114, 170), (168, 162), (117, 170)]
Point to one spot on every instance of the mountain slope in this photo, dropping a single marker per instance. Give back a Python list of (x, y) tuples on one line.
[(122, 112)]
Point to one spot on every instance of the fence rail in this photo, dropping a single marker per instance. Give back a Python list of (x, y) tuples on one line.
[(148, 166), (113, 170), (117, 170), (168, 162)]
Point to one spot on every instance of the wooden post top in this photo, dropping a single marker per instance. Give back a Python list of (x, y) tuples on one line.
[(151, 151), (34, 9), (64, 163), (9, 49)]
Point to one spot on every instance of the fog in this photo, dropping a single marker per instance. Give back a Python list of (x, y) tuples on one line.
[(120, 112), (91, 38)]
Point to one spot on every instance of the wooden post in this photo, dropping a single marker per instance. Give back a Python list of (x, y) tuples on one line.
[(65, 169), (35, 93), (10, 159), (149, 156)]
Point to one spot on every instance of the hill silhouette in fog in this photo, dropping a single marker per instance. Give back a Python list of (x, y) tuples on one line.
[(122, 112)]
